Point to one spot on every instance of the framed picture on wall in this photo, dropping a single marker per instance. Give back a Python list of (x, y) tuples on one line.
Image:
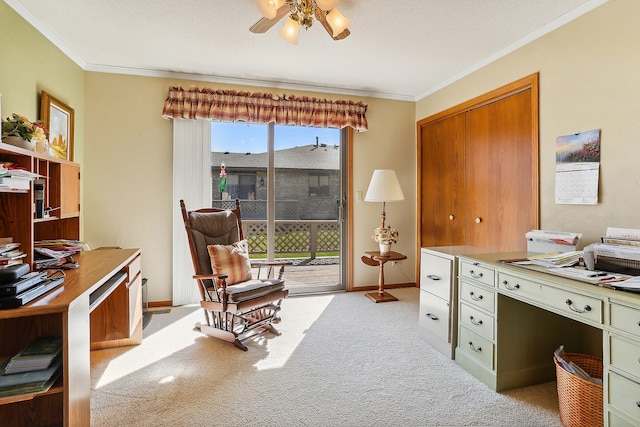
[(57, 118)]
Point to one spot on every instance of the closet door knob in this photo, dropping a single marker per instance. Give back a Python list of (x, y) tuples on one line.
[(451, 217), (478, 220)]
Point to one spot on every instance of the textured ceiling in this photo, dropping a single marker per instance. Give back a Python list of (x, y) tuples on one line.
[(398, 49)]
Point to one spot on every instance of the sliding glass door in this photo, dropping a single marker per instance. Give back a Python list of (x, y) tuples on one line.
[(290, 184)]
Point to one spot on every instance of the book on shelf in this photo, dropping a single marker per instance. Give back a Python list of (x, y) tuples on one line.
[(38, 355), (12, 254), (9, 262), (8, 246), (15, 183), (31, 381)]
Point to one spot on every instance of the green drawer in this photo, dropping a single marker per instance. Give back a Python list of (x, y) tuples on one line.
[(625, 355), (477, 296), (616, 420), (517, 287), (477, 321), (581, 307), (625, 318), (476, 271), (476, 346), (624, 395)]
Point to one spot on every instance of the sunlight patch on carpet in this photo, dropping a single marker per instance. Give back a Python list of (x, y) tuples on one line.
[(306, 310), (169, 340)]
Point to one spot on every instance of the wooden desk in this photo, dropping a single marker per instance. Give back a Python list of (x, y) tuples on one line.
[(374, 258), (99, 305)]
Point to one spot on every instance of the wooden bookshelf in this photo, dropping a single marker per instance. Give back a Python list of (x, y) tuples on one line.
[(62, 194)]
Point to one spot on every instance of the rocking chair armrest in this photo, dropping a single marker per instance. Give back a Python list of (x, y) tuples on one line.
[(210, 276), (222, 279)]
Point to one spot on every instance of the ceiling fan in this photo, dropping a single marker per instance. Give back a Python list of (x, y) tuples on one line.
[(301, 14)]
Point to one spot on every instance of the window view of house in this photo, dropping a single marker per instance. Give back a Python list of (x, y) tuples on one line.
[(307, 184)]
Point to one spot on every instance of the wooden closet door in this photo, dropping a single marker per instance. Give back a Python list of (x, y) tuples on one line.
[(498, 169), (442, 182)]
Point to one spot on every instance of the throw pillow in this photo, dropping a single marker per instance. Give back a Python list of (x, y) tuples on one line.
[(232, 260)]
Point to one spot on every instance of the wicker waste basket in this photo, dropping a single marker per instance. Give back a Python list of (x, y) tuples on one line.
[(580, 401)]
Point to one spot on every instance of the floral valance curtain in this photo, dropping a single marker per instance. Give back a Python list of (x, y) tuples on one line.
[(232, 106)]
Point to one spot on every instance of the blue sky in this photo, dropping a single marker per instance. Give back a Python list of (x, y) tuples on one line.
[(252, 138)]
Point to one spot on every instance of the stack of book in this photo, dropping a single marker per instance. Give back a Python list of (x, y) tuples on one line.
[(10, 254), (34, 369)]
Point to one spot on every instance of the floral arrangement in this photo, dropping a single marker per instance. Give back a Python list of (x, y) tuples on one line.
[(20, 126), (385, 235)]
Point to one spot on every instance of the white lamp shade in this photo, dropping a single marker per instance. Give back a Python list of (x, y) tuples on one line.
[(327, 5), (337, 21), (384, 187), (290, 31)]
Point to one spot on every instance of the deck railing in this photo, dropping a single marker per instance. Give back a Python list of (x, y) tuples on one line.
[(305, 238)]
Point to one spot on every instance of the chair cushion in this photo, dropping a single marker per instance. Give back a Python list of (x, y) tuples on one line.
[(232, 260), (211, 228), (250, 289)]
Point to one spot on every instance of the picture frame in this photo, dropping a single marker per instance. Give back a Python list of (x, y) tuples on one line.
[(58, 119)]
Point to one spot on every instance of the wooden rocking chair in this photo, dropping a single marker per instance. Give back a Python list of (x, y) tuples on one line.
[(236, 305)]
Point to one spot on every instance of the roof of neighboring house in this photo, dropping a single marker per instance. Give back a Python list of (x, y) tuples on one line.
[(304, 157)]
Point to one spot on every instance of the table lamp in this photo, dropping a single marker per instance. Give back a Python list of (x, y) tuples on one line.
[(384, 187)]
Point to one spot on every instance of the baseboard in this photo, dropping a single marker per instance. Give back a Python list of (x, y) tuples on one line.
[(153, 304)]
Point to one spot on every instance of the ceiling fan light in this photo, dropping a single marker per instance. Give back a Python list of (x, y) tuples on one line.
[(338, 21), (327, 5), (269, 8), (290, 31)]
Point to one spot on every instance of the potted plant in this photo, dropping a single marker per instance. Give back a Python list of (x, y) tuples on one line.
[(18, 130), (385, 236)]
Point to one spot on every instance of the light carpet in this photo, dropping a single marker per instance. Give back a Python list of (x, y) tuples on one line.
[(341, 360)]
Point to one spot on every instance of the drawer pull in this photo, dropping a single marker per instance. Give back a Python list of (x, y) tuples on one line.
[(431, 316), (474, 321), (474, 348), (511, 288), (433, 277), (474, 297), (474, 275), (586, 308), (638, 403)]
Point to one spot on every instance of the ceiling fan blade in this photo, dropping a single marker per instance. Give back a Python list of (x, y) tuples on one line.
[(321, 17), (264, 24)]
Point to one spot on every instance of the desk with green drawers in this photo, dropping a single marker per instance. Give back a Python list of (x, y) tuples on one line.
[(511, 319)]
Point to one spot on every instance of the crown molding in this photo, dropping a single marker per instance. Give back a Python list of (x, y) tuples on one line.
[(553, 25), (243, 82)]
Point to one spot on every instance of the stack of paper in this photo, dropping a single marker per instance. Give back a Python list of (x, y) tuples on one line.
[(554, 259), (622, 236)]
